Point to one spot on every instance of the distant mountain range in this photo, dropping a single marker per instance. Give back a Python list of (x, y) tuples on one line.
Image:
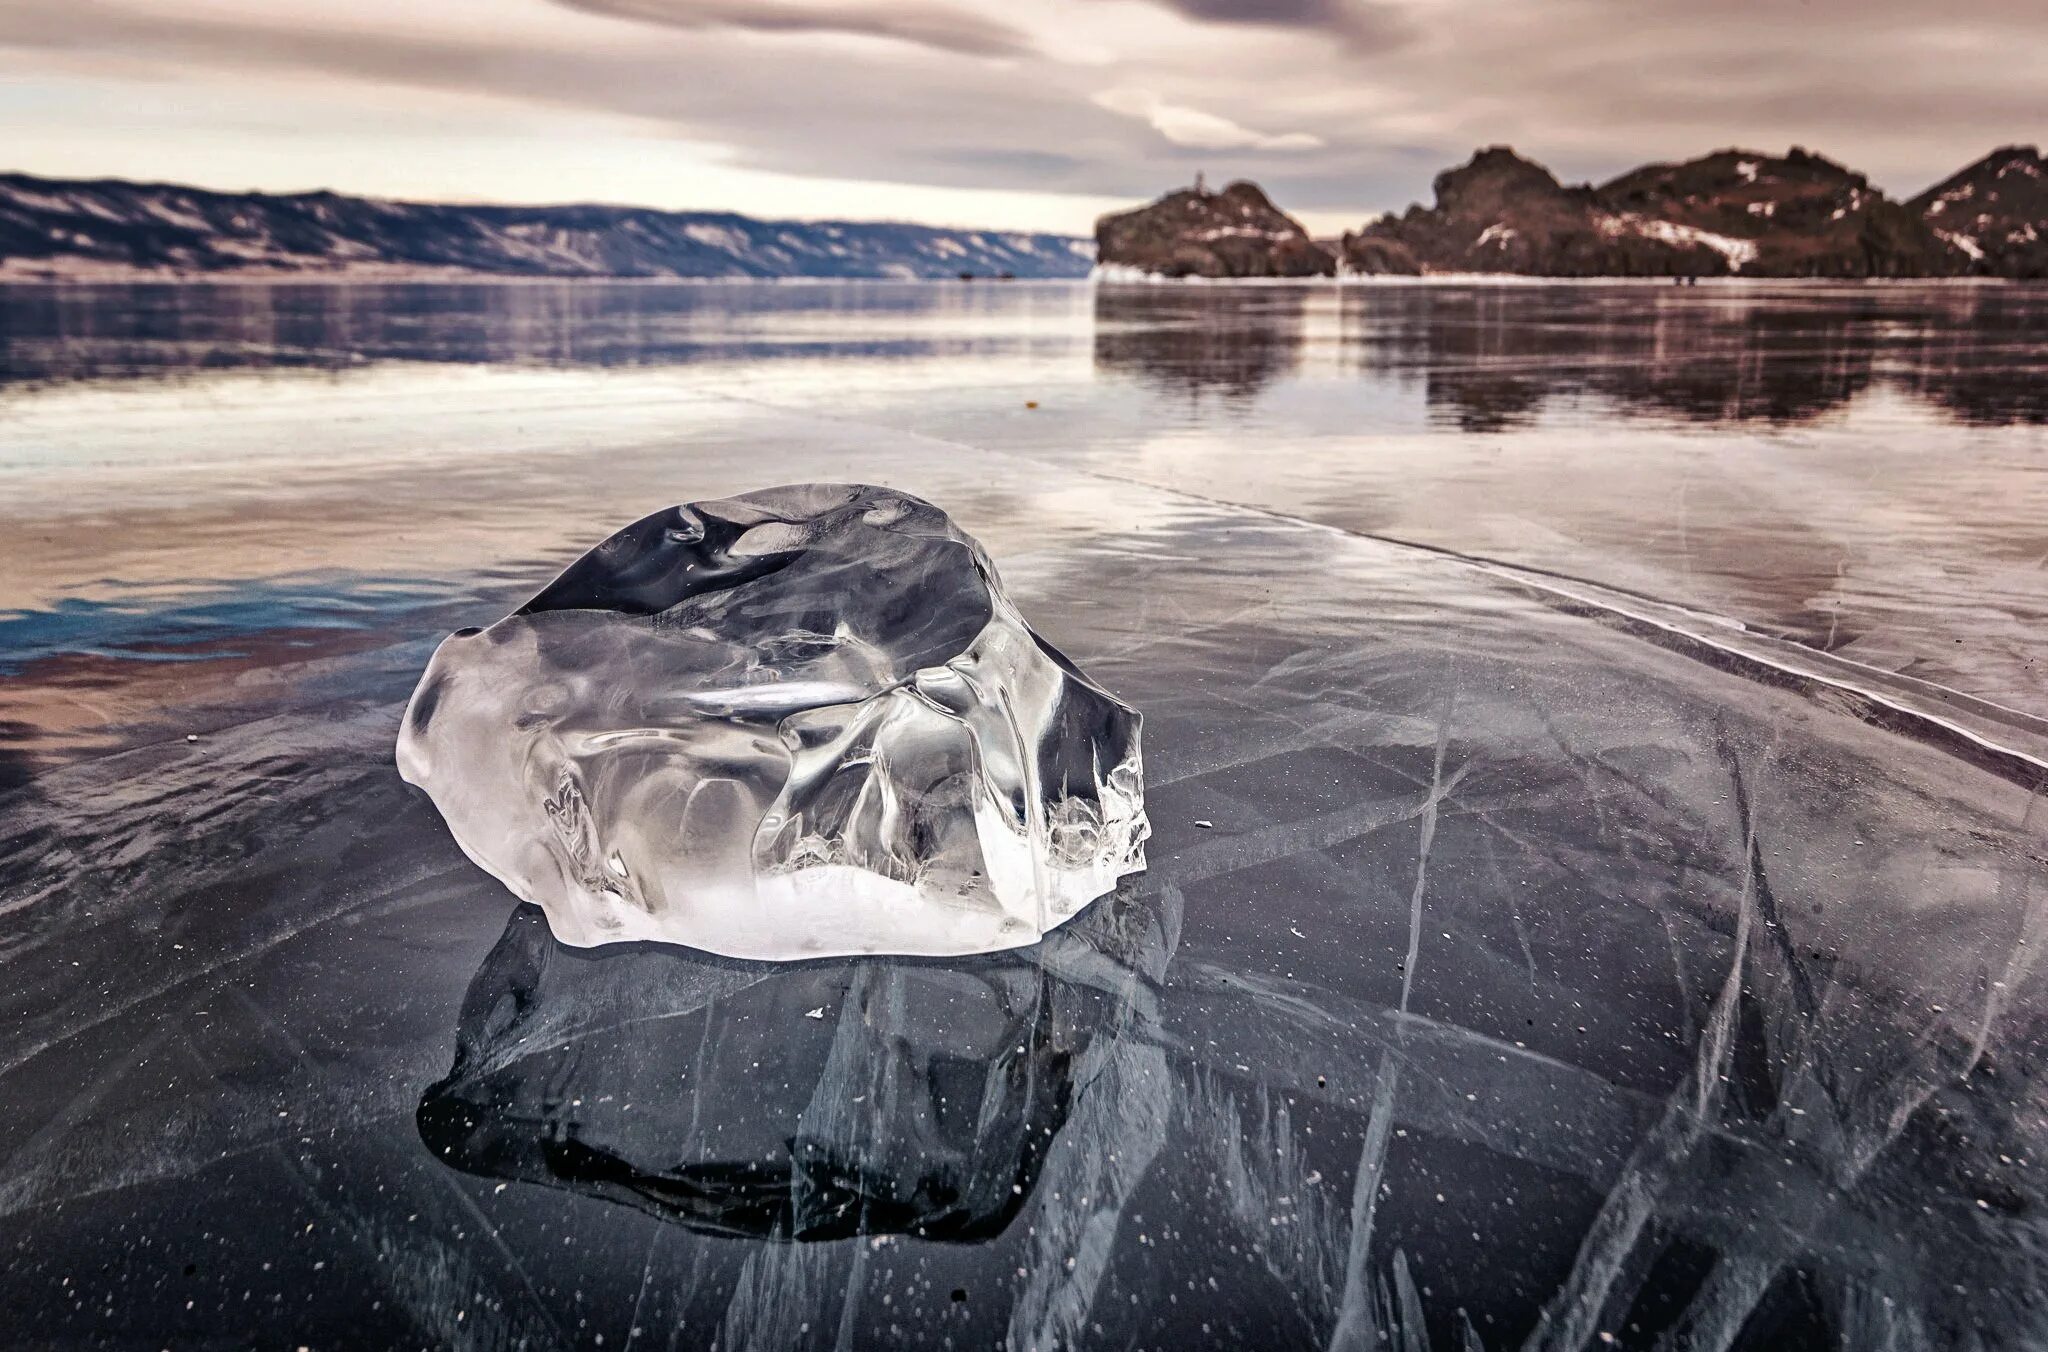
[(1733, 212), (112, 229)]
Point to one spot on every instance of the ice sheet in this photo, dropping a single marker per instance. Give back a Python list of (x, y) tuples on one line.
[(1537, 977)]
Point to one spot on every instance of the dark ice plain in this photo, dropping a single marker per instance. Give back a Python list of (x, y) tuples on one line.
[(1556, 964)]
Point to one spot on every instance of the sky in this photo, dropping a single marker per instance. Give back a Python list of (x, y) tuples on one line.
[(1019, 114)]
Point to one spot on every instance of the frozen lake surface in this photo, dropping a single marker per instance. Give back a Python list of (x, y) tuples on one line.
[(1616, 916)]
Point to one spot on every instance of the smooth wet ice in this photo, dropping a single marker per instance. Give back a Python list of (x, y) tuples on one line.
[(799, 722)]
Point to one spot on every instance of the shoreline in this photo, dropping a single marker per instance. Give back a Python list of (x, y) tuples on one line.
[(1118, 276), (115, 276), (1101, 276)]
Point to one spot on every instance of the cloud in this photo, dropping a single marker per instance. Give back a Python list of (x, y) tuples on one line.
[(1357, 20), (940, 27), (1195, 129), (988, 97)]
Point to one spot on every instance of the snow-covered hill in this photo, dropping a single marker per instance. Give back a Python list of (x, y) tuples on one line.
[(1995, 211), (64, 228), (1734, 212)]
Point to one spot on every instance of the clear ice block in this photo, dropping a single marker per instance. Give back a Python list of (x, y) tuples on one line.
[(799, 722)]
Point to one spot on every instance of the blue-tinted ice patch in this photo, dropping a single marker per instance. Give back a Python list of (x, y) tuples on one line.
[(203, 621)]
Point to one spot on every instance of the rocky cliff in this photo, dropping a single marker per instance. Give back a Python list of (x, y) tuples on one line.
[(1800, 215), (1726, 213), (1196, 233), (60, 228), (1502, 213), (1995, 213)]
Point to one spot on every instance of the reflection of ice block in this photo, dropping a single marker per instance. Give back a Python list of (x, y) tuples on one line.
[(799, 722), (816, 1102)]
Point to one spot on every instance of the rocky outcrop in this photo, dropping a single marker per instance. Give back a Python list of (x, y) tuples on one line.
[(60, 228), (1995, 213), (1502, 213), (1731, 212), (1801, 215), (1368, 253), (1196, 233)]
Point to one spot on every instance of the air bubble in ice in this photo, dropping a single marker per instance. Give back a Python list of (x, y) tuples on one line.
[(799, 722)]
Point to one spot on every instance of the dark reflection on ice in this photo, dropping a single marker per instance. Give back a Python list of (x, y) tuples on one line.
[(1494, 358), (1190, 346), (116, 332), (814, 1102), (1490, 356)]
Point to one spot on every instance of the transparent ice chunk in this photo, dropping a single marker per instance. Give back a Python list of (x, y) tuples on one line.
[(798, 722)]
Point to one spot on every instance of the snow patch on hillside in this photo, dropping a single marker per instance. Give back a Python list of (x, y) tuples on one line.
[(717, 237), (1738, 252), (1963, 242)]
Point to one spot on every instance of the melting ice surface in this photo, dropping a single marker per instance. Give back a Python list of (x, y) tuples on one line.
[(799, 722)]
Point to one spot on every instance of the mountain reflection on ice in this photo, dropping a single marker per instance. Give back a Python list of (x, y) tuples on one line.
[(1492, 356)]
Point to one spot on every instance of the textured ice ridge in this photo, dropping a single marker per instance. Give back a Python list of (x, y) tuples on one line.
[(794, 723)]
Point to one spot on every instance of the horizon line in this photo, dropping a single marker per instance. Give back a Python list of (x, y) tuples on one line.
[(1138, 202)]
